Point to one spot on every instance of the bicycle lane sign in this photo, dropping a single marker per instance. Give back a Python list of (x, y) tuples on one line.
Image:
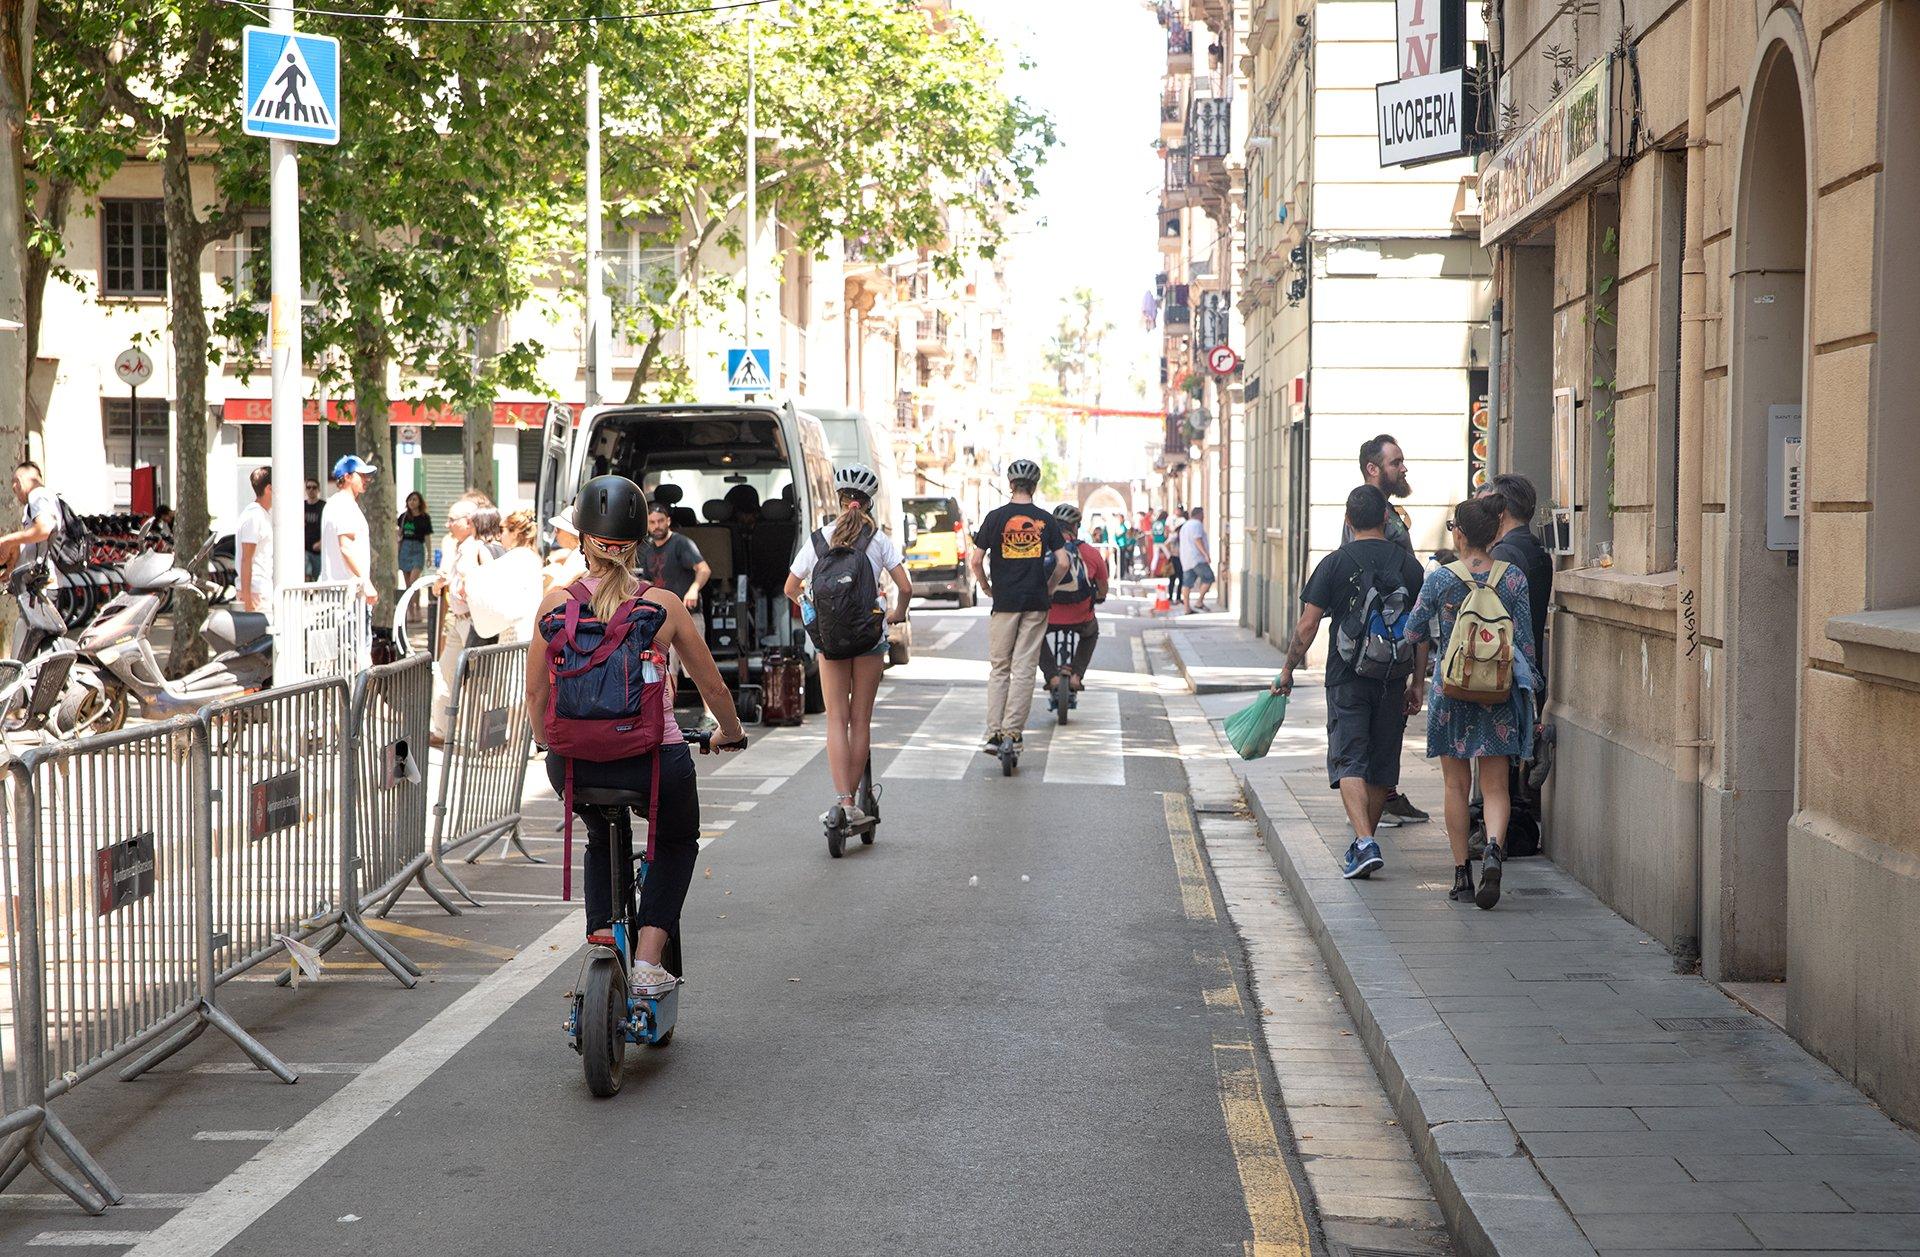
[(290, 87)]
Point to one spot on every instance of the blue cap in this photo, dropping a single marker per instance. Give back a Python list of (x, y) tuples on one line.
[(350, 464)]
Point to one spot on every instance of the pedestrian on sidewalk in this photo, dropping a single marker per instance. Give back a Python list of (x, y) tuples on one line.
[(461, 558), (416, 533), (1123, 546), (1464, 734), (1196, 560), (1514, 496), (1366, 715), (253, 545), (1176, 562), (1383, 464), (310, 512), (346, 545), (1028, 556)]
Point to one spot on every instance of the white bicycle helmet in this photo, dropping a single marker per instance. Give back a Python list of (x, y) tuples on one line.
[(1067, 514), (854, 478), (1023, 469)]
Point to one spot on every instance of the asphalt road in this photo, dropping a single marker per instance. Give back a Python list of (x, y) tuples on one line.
[(999, 1029)]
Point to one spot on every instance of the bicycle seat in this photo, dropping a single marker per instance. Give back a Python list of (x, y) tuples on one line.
[(607, 796)]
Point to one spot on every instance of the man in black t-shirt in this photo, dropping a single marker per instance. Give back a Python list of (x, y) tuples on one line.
[(671, 560), (1366, 718), (1028, 553), (1518, 546)]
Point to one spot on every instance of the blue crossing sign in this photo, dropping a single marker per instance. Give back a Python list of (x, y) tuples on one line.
[(750, 370), (290, 86)]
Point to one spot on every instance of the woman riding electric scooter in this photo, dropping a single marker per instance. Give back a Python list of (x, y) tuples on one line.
[(849, 685), (612, 517)]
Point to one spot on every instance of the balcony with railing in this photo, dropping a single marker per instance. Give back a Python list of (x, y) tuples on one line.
[(1171, 237), (1177, 313), (932, 332), (1176, 442), (1179, 48), (1173, 112), (1210, 127), (1178, 183)]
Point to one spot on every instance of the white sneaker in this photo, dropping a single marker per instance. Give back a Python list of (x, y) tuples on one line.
[(648, 980), (849, 814)]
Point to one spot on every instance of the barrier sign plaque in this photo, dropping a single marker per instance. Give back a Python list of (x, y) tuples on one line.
[(123, 873), (273, 805), (493, 730)]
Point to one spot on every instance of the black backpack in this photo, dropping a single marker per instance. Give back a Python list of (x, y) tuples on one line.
[(71, 544), (846, 621)]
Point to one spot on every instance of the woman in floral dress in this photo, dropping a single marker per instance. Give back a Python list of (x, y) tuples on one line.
[(1461, 733)]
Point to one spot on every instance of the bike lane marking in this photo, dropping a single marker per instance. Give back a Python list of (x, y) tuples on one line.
[(1273, 1202), (1091, 750), (225, 1212)]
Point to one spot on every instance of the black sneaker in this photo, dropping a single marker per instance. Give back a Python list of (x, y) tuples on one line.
[(1489, 892), (1401, 808), (991, 744), (1462, 890)]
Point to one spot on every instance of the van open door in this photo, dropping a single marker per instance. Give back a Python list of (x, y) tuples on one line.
[(556, 448)]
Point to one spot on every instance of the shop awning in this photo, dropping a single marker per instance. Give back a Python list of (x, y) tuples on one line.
[(505, 414)]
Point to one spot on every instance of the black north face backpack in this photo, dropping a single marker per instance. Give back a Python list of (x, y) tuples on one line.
[(846, 622)]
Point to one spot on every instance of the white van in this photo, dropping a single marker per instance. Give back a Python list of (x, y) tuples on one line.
[(745, 483)]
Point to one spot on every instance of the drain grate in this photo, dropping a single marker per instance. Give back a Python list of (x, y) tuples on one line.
[(1539, 892), (1705, 1023)]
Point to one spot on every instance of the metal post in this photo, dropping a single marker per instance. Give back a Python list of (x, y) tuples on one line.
[(594, 239), (289, 529), (753, 184), (1498, 354)]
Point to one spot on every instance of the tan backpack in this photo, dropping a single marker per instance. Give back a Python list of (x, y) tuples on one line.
[(1477, 664)]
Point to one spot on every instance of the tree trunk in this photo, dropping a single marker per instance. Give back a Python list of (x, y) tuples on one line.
[(16, 76), (372, 429), (477, 447), (186, 240)]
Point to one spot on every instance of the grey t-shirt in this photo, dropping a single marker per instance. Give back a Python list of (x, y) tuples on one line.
[(42, 503), (671, 564), (1396, 530)]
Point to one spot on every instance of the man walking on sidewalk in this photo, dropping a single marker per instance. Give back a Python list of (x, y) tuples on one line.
[(1366, 716), (1383, 464), (1029, 556)]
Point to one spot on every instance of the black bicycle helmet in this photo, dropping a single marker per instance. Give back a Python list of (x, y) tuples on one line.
[(1067, 514), (1023, 471), (612, 508)]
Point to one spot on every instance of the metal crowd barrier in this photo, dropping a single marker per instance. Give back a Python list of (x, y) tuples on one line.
[(488, 744), (320, 630), (111, 937), (391, 715)]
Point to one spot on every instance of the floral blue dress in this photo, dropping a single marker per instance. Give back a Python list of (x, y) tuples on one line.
[(1455, 727)]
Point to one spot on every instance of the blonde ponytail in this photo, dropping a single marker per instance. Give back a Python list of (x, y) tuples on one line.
[(853, 521)]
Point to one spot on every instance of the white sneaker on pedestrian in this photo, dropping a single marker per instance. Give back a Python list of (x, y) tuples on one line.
[(645, 981)]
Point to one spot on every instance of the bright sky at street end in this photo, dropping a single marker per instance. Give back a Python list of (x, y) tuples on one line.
[(1096, 70)]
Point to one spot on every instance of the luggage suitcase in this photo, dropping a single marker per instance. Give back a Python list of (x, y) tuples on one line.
[(784, 689)]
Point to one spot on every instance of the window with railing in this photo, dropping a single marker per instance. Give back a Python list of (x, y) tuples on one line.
[(1179, 39), (1172, 107), (1176, 437), (1210, 126), (1179, 170)]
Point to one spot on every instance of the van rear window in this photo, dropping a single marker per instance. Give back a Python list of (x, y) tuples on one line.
[(932, 514)]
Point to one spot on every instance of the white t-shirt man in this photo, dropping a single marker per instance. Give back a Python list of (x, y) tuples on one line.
[(343, 523), (256, 529), (1193, 534), (882, 552), (42, 503)]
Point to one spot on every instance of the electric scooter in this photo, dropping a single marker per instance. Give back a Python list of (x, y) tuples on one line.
[(605, 1016), (1062, 643), (867, 799)]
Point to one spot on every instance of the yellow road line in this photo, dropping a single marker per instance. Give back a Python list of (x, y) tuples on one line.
[(1273, 1202), (399, 930), (1196, 897)]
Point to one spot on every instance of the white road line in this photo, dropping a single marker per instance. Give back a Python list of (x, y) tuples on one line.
[(945, 640), (770, 785), (779, 754), (236, 1136), (943, 747), (220, 1216), (882, 694), (1140, 657), (1089, 751), (747, 806), (246, 1067), (86, 1239)]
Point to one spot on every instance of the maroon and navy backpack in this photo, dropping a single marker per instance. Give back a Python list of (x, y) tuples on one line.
[(609, 696)]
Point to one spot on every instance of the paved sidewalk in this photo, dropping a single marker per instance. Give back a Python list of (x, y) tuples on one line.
[(1566, 1091)]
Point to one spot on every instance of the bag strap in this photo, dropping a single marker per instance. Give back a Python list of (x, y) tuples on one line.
[(819, 543)]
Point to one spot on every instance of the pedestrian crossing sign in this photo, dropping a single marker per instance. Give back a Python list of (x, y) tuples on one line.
[(290, 86), (750, 370)]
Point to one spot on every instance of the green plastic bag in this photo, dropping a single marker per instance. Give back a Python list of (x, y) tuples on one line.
[(1251, 729)]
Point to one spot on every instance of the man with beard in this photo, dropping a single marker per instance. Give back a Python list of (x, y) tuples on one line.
[(1384, 466)]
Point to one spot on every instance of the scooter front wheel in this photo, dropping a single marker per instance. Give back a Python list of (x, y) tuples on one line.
[(603, 1027), (836, 832), (1062, 696)]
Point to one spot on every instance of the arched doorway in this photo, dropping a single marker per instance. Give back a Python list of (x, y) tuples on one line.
[(1746, 878)]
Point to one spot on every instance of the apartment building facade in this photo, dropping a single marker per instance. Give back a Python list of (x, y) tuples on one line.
[(1366, 299)]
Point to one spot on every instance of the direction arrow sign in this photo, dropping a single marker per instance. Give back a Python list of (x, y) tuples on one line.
[(1222, 360), (290, 86), (750, 370)]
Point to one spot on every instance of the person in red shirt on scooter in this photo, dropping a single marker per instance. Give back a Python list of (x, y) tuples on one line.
[(1082, 587)]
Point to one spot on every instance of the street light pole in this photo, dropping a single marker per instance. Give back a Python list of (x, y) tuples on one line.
[(594, 238), (753, 182), (290, 548)]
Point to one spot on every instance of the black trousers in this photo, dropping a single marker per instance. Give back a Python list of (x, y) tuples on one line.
[(1177, 579), (1089, 636), (676, 847)]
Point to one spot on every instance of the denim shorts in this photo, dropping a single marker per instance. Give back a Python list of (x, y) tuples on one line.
[(1200, 574), (1365, 723)]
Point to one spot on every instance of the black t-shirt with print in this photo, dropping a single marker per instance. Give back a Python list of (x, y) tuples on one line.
[(1338, 588), (1019, 540)]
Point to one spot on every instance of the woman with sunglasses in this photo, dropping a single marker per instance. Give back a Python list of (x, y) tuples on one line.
[(1462, 733), (611, 515), (849, 685)]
